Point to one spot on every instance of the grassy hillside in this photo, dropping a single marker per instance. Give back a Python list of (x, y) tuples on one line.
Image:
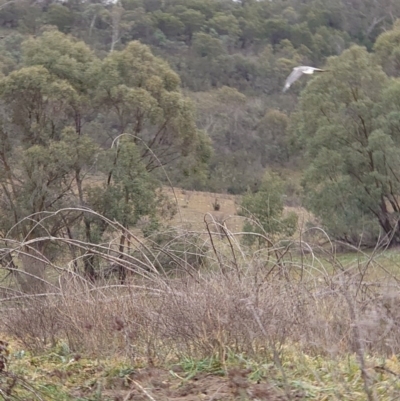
[(195, 206)]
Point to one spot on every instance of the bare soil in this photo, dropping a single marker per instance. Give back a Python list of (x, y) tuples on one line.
[(161, 385)]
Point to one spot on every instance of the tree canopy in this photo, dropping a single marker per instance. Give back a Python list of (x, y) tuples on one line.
[(128, 91), (69, 117), (349, 123)]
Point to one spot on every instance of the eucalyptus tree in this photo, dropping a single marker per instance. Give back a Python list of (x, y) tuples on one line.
[(36, 162), (140, 95), (273, 138), (349, 124), (56, 111), (387, 50)]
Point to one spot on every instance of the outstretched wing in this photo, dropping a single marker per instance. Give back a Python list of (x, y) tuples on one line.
[(294, 76)]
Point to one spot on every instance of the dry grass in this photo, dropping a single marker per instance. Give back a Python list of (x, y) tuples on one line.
[(193, 205), (279, 314)]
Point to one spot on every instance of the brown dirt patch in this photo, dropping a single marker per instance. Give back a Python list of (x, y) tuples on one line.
[(151, 384)]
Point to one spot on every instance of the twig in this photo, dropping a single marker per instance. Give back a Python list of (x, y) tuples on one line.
[(383, 369), (213, 245), (149, 396)]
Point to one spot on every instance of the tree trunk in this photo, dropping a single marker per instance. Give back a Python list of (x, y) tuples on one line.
[(89, 260), (389, 226)]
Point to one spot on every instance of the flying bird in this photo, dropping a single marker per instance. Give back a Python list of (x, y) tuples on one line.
[(297, 73)]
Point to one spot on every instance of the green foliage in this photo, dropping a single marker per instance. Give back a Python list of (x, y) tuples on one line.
[(207, 46), (56, 108), (170, 25), (301, 36), (192, 172), (193, 367), (129, 192), (192, 20), (37, 102), (63, 56), (228, 118), (272, 129), (225, 24), (349, 124), (264, 211), (140, 95), (60, 16), (250, 46), (277, 30), (387, 50), (81, 91)]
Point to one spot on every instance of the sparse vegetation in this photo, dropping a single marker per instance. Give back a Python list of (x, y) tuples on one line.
[(280, 323), (118, 281)]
